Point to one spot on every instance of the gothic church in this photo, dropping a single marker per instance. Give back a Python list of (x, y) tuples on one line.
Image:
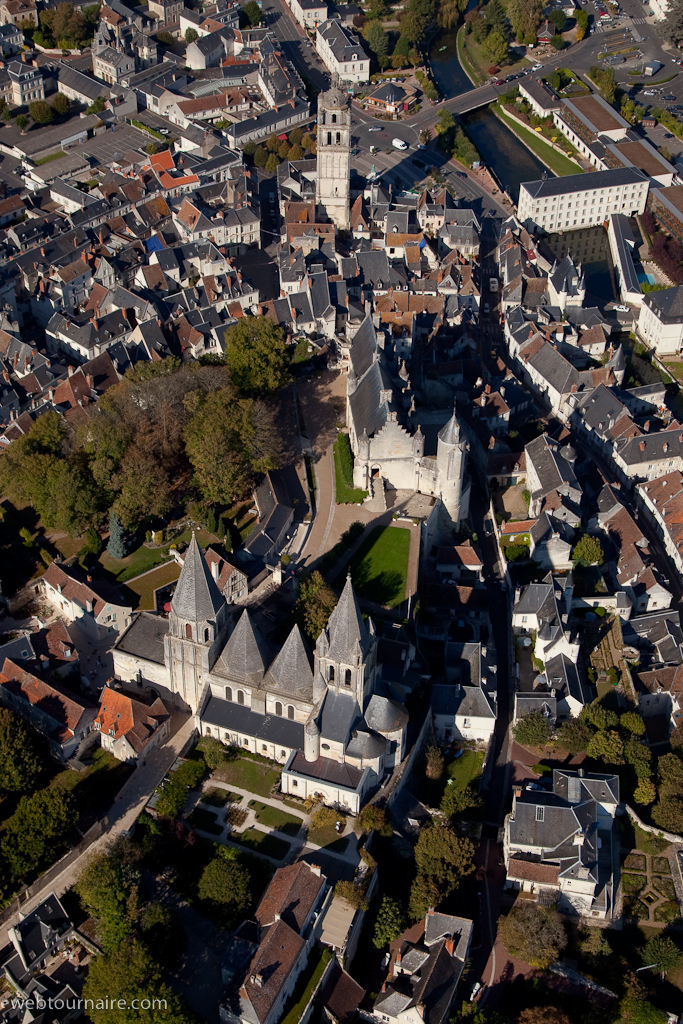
[(328, 721)]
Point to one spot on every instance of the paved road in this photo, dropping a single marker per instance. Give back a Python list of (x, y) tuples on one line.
[(293, 39)]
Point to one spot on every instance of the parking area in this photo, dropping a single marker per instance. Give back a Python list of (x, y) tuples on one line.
[(104, 149)]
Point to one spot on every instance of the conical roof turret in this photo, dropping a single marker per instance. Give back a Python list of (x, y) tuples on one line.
[(246, 654), (450, 433), (196, 598), (346, 629), (291, 671)]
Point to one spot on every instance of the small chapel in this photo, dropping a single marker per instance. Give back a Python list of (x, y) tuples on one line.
[(325, 715)]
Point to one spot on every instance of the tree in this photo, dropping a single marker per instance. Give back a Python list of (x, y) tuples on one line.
[(116, 547), (105, 886), (645, 792), (445, 121), (296, 153), (97, 106), (496, 47), (257, 356), (558, 19), (670, 772), (295, 136), (215, 753), (272, 163), (307, 140), (459, 799), (37, 830), (426, 136), (316, 602), (581, 18), (444, 856), (41, 112), (671, 28), (376, 38), (495, 16), (354, 893), (227, 884), (252, 12), (587, 551), (533, 933), (663, 954), (606, 82), (557, 42), (22, 122), (434, 763), (593, 944), (374, 817), (525, 17), (575, 734), (543, 1015), (22, 754), (144, 488), (161, 930), (450, 12), (638, 755), (260, 157), (533, 729), (600, 716), (151, 148), (60, 104), (607, 745), (284, 150), (389, 924), (123, 975), (191, 35), (633, 722), (227, 440), (668, 813), (640, 1011), (424, 893)]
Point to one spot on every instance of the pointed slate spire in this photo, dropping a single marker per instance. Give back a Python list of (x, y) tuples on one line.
[(450, 434), (196, 598), (291, 671), (346, 627), (246, 655)]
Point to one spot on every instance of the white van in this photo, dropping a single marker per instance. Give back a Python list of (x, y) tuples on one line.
[(399, 144)]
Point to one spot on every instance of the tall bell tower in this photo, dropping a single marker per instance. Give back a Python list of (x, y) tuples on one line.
[(334, 154)]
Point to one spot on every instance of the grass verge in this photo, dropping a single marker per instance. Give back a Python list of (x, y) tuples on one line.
[(254, 776), (347, 494), (305, 986), (261, 842), (272, 817), (554, 161)]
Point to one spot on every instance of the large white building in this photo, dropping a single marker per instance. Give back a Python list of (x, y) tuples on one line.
[(660, 323), (582, 200), (342, 53)]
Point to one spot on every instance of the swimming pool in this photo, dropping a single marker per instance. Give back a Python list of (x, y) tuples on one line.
[(647, 279)]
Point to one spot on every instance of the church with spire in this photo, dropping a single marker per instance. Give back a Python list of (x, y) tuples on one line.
[(325, 715)]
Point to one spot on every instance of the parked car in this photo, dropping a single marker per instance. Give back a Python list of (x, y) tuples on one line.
[(669, 97), (487, 308), (399, 144), (374, 129), (622, 309)]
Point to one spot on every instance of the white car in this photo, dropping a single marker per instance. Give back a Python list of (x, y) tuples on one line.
[(621, 309), (537, 67), (399, 144), (374, 129)]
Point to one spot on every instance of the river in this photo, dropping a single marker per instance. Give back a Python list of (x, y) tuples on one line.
[(508, 158)]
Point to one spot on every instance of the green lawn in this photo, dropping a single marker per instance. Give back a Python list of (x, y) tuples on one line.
[(256, 776), (380, 568), (146, 585), (327, 836), (272, 817), (345, 495), (207, 821), (557, 163), (261, 842), (144, 558), (217, 797), (305, 986), (466, 768)]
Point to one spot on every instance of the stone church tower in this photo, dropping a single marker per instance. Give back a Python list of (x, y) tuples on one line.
[(451, 482), (197, 628), (334, 155)]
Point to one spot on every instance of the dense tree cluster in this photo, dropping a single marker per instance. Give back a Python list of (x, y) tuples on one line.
[(443, 860), (64, 27), (167, 432), (533, 933)]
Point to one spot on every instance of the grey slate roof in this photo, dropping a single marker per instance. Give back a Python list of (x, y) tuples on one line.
[(346, 628), (144, 638), (667, 305), (246, 654), (363, 347), (241, 719), (579, 183), (444, 926), (450, 433), (384, 715), (291, 671), (196, 598), (340, 711), (564, 677)]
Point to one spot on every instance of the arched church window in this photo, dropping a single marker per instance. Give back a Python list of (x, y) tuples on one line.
[(330, 674), (228, 692), (240, 697), (206, 636), (329, 138), (290, 712), (278, 709), (334, 119), (347, 677), (208, 731), (338, 140), (188, 630)]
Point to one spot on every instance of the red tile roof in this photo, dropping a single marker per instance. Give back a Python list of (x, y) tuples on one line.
[(292, 894), (66, 709), (120, 716)]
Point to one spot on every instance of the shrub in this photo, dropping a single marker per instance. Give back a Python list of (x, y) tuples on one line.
[(534, 934), (533, 729), (435, 763)]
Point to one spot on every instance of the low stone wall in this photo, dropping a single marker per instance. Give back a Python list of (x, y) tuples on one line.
[(669, 836)]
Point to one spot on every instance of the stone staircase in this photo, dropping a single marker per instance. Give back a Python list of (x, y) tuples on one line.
[(376, 500)]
